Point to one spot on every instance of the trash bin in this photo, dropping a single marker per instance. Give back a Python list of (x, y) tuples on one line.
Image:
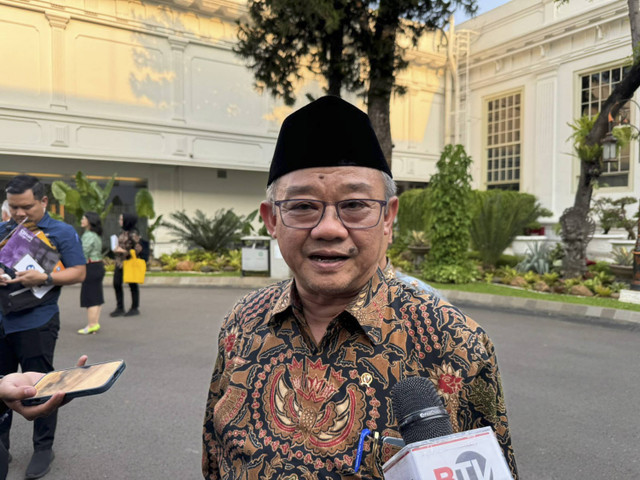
[(255, 255), (278, 267)]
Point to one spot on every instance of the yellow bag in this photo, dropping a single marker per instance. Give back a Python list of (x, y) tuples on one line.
[(133, 269)]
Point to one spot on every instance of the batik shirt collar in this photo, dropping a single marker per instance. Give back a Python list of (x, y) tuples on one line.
[(367, 308)]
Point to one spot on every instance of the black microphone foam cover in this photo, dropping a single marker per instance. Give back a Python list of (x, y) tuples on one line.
[(419, 410)]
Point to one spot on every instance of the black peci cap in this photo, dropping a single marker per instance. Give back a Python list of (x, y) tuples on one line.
[(328, 132)]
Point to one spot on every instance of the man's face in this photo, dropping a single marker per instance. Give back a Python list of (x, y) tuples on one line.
[(25, 205), (331, 260)]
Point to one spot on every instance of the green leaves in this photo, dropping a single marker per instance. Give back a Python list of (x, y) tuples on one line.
[(144, 204), (88, 196), (498, 217), (450, 219), (414, 210), (581, 129), (215, 234)]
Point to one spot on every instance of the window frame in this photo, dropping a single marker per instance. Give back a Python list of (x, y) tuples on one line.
[(485, 140), (629, 151)]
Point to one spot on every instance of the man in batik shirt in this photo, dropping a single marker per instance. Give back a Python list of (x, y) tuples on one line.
[(305, 365)]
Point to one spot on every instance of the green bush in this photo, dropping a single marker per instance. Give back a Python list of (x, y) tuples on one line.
[(537, 258), (462, 273), (504, 260), (413, 211), (450, 219), (216, 234), (229, 260), (498, 217)]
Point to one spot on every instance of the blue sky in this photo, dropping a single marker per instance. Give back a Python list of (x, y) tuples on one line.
[(483, 6)]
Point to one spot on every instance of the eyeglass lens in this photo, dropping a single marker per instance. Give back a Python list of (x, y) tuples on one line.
[(354, 213)]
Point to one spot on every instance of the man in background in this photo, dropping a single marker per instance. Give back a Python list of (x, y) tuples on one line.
[(28, 337)]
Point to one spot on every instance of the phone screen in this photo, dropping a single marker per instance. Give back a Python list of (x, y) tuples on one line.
[(88, 379)]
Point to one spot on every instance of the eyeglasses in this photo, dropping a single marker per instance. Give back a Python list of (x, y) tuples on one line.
[(354, 213)]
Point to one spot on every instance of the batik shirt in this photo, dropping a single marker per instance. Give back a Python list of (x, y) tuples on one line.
[(281, 406)]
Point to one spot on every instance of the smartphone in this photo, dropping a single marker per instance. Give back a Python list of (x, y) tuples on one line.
[(77, 381)]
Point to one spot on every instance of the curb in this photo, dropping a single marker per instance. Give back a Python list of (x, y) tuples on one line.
[(569, 311)]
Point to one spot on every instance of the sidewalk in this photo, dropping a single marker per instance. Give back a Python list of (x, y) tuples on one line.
[(597, 315)]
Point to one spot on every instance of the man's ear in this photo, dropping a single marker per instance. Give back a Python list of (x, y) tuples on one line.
[(268, 217), (392, 211)]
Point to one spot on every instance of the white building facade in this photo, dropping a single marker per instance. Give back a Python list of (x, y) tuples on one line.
[(534, 67), (152, 91)]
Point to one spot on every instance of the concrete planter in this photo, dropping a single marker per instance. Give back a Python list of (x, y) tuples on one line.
[(623, 272), (600, 246), (419, 252), (520, 246)]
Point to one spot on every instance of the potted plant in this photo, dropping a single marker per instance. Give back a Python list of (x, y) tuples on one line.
[(419, 245), (622, 265)]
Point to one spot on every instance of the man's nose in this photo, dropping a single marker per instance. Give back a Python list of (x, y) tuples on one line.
[(330, 224)]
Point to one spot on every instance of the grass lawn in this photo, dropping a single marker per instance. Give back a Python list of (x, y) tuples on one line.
[(553, 297)]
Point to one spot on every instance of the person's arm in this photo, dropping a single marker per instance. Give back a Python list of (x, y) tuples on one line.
[(211, 448), (484, 398), (15, 387), (68, 276), (69, 247)]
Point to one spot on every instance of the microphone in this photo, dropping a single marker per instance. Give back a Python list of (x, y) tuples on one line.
[(432, 451), (419, 410)]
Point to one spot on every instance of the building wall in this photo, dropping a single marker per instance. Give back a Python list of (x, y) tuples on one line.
[(541, 48), (152, 90)]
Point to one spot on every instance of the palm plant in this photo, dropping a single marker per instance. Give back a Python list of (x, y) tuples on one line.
[(215, 234), (87, 196), (498, 217)]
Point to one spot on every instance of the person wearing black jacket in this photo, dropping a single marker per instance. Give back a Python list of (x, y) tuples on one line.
[(128, 239)]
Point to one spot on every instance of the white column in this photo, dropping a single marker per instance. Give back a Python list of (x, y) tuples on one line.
[(178, 46), (58, 22), (544, 172)]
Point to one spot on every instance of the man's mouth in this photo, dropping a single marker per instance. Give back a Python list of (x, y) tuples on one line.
[(328, 258)]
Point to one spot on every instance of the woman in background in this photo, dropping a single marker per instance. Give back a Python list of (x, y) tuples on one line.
[(91, 293), (128, 239)]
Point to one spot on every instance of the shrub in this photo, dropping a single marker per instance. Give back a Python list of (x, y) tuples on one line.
[(506, 274), (613, 214), (536, 258), (622, 256), (413, 211), (216, 234), (508, 260), (450, 219), (466, 273), (498, 217), (201, 260)]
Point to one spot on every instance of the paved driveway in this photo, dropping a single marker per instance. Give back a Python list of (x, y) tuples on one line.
[(571, 391)]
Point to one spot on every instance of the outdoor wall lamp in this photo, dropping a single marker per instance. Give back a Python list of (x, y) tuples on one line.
[(609, 148)]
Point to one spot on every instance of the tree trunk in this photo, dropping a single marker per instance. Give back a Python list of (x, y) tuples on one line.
[(335, 74), (574, 236), (382, 58), (379, 111)]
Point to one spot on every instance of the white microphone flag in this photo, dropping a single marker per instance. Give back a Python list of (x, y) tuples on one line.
[(470, 455)]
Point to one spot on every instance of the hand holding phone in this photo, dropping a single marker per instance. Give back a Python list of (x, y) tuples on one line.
[(77, 382)]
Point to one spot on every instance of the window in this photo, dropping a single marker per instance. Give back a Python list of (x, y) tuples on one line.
[(595, 88), (503, 142)]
